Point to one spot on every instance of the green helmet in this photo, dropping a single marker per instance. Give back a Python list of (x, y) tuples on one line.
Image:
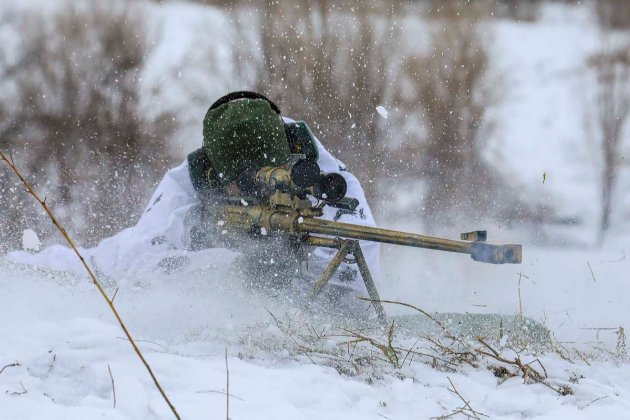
[(244, 133)]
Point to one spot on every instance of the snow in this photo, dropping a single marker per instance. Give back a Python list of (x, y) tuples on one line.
[(30, 241), (543, 112), (382, 111), (63, 341), (72, 339)]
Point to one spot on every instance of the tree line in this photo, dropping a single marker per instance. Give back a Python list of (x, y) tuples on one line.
[(74, 112)]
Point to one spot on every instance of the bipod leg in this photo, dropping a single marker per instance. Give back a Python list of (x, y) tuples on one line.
[(330, 270), (369, 282), (352, 247)]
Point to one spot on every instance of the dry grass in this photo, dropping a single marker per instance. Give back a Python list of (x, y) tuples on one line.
[(42, 202), (371, 352)]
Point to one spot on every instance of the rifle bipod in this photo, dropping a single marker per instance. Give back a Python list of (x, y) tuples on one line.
[(345, 247)]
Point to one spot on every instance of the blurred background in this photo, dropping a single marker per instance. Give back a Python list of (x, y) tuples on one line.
[(454, 115)]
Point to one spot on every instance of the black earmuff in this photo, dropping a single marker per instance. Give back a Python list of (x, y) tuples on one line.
[(243, 94)]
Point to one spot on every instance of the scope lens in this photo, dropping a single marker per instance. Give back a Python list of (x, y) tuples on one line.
[(334, 186), (304, 173)]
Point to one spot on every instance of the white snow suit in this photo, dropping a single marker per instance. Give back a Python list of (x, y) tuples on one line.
[(161, 241)]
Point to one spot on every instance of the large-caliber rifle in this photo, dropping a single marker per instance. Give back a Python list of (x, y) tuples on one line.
[(289, 199)]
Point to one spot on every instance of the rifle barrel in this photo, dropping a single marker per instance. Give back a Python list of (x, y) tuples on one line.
[(367, 233), (479, 251), (293, 223)]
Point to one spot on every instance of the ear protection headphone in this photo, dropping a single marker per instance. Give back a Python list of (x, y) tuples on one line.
[(243, 94)]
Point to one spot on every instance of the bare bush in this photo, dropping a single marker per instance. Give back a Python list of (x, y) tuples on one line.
[(613, 14), (610, 111), (452, 97), (76, 116), (527, 10), (330, 65)]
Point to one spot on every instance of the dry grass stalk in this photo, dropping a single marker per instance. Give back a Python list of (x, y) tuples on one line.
[(388, 350), (520, 301), (622, 349), (449, 334), (595, 400), (227, 387), (98, 285), (22, 392), (8, 366), (560, 350), (591, 270), (527, 371), (465, 410), (455, 357), (113, 384)]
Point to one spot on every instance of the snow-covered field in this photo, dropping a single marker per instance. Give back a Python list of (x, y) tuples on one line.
[(58, 342), (65, 342)]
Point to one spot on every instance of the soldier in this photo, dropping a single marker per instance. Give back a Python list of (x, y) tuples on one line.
[(242, 131)]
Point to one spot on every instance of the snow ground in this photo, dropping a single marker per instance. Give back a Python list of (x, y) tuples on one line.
[(64, 340), (61, 334)]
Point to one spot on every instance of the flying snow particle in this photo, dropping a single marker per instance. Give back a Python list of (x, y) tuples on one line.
[(221, 222), (300, 219), (30, 241), (223, 232), (245, 203), (263, 231), (382, 111)]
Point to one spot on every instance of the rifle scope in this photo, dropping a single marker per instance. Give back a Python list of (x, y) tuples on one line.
[(301, 178)]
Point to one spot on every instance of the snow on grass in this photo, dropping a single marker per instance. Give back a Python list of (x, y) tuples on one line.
[(61, 334)]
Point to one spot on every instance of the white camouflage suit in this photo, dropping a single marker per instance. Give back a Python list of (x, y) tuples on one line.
[(162, 235)]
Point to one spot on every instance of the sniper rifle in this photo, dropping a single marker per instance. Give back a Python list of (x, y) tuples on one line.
[(280, 200)]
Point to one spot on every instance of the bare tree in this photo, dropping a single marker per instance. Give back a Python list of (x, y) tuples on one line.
[(611, 68), (613, 14), (452, 95), (329, 64), (77, 115), (520, 10)]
